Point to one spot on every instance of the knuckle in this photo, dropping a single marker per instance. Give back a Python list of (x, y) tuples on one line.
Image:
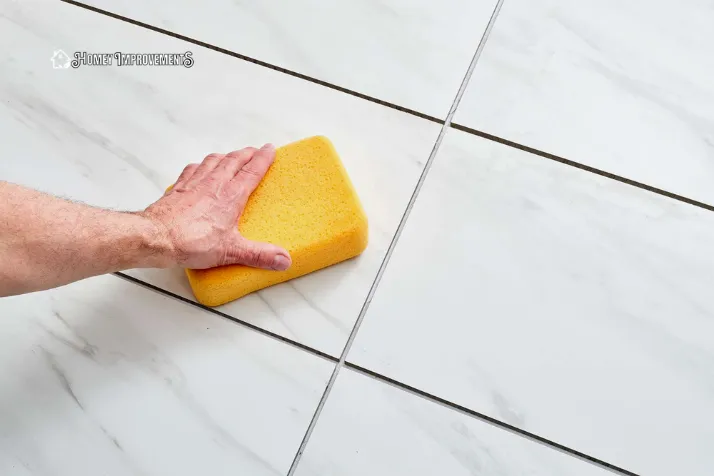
[(250, 172), (232, 190), (251, 256), (213, 158)]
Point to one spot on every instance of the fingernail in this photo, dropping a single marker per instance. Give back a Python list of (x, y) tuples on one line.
[(280, 263), (268, 147)]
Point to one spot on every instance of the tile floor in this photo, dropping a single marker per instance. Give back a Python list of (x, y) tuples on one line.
[(532, 317)]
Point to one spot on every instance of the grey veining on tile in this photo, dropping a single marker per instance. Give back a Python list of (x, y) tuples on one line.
[(623, 86), (118, 136), (105, 377), (569, 305), (368, 427), (413, 53)]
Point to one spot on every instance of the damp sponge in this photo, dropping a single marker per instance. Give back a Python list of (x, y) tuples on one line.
[(306, 204)]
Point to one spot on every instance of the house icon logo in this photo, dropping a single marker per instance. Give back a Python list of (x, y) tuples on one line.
[(60, 60)]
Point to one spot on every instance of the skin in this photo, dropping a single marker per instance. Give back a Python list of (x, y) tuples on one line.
[(47, 242)]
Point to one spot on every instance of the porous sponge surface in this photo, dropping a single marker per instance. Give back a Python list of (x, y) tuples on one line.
[(306, 204)]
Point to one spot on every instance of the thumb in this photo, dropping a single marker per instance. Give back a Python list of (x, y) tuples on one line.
[(259, 255)]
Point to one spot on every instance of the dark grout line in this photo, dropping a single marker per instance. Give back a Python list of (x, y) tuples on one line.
[(412, 390), (395, 240), (580, 166), (480, 416), (259, 62), (387, 380), (397, 107), (265, 332), (384, 379)]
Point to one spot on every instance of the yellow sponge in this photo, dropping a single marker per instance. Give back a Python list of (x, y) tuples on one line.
[(306, 204)]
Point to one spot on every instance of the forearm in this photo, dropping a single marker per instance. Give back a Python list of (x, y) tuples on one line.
[(47, 242)]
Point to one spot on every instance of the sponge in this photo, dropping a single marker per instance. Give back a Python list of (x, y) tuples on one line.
[(306, 204)]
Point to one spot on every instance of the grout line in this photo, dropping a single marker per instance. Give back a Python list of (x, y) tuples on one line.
[(258, 62), (487, 419), (390, 381), (397, 107), (267, 333), (395, 239), (446, 124), (578, 165)]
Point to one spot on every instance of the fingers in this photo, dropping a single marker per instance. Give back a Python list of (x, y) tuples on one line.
[(239, 172), (258, 255), (232, 162), (186, 175), (205, 168), (250, 175)]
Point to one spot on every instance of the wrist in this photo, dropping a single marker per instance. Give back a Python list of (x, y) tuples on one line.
[(156, 248)]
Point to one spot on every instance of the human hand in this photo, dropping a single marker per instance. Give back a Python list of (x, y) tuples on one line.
[(199, 215)]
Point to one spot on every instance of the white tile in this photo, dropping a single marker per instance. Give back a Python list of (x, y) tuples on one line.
[(624, 86), (368, 427), (412, 53), (569, 305), (118, 136), (106, 377)]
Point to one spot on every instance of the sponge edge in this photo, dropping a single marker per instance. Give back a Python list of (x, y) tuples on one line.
[(306, 203)]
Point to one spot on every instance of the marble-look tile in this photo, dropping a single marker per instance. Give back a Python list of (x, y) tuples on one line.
[(117, 136), (623, 86), (368, 427), (569, 305), (411, 53), (106, 377)]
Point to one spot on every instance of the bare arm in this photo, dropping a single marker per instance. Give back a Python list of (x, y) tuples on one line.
[(47, 241)]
